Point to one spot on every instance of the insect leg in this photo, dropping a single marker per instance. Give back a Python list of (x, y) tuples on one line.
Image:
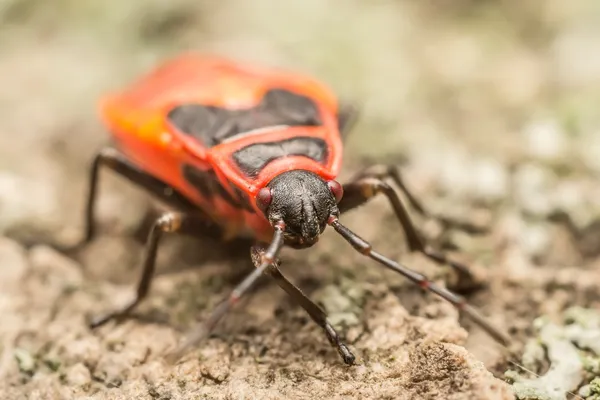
[(364, 247), (112, 159), (313, 310), (168, 222), (202, 330), (362, 190), (383, 172)]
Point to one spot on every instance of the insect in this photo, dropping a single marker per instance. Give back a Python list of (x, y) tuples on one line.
[(235, 149)]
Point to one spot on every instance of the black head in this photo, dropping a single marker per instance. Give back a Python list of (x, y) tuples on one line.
[(303, 201)]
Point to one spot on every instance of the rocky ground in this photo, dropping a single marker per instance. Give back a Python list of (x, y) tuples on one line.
[(487, 107)]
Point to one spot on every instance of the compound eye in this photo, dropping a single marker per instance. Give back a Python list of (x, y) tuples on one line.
[(336, 189), (263, 199)]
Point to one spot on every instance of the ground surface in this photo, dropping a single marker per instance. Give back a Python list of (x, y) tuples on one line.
[(489, 108)]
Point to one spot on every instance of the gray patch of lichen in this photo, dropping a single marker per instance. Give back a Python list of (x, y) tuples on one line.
[(572, 350), (343, 302), (591, 391)]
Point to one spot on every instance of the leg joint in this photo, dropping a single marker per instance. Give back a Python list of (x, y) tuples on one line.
[(370, 187), (107, 156), (169, 222)]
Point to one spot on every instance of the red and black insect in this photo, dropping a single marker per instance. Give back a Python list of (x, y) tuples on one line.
[(237, 149)]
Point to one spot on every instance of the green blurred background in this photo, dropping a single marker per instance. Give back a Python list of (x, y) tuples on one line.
[(445, 83), (462, 89), (449, 84), (472, 70)]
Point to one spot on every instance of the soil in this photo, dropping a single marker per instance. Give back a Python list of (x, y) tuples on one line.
[(491, 122)]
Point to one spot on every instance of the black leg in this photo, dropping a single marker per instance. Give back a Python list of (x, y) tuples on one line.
[(364, 247), (196, 225), (114, 160), (315, 312), (202, 330), (364, 189), (384, 171)]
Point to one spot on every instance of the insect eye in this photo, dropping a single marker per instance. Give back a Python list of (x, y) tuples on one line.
[(263, 199), (336, 189)]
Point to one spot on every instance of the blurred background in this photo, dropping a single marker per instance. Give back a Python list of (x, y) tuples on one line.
[(489, 107), (463, 89)]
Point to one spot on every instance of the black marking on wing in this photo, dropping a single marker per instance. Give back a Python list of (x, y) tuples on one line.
[(252, 159), (212, 125), (243, 198), (198, 121), (207, 183)]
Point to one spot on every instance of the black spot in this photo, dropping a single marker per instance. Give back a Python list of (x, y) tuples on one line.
[(212, 125), (290, 109), (198, 179), (243, 198), (207, 183), (198, 121), (252, 159)]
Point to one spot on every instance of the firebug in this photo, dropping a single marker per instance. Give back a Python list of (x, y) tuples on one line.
[(237, 149)]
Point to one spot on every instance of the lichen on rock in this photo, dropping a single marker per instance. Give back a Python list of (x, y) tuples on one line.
[(570, 348)]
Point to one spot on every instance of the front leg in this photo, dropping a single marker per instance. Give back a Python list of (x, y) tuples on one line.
[(363, 189), (110, 158), (391, 172), (114, 160), (170, 222), (314, 311)]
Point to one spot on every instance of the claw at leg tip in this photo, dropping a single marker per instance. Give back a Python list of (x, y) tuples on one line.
[(349, 359)]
